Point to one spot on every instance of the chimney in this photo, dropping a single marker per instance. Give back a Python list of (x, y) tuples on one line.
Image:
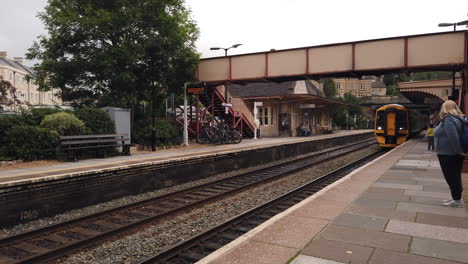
[(3, 54), (18, 59)]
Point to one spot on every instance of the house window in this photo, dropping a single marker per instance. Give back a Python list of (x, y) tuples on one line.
[(338, 86), (362, 87), (263, 115)]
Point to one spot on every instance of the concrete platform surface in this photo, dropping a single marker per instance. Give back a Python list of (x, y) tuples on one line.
[(389, 211), (68, 168)]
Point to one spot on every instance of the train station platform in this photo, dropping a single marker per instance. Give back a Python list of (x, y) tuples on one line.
[(389, 211), (65, 169)]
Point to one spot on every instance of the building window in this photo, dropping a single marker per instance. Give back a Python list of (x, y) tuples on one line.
[(351, 86), (338, 86), (362, 87), (263, 115)]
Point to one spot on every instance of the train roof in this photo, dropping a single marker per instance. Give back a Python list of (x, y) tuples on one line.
[(397, 106)]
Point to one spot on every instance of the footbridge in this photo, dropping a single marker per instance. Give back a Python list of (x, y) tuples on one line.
[(446, 51)]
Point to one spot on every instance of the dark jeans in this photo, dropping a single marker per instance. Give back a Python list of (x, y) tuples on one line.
[(430, 143), (451, 168)]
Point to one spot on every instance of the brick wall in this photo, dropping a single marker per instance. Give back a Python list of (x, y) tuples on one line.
[(25, 202)]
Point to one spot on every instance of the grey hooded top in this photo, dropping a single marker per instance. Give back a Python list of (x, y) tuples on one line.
[(447, 136)]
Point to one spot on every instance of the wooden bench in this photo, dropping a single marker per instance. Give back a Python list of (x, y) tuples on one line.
[(73, 144)]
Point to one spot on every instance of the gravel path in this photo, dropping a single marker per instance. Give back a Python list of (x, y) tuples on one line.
[(155, 238)]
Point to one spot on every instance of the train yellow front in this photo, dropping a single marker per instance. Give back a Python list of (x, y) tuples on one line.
[(395, 123)]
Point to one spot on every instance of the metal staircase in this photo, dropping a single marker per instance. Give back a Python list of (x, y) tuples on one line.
[(212, 99)]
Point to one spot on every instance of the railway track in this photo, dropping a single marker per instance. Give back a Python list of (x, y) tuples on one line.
[(201, 245), (58, 240)]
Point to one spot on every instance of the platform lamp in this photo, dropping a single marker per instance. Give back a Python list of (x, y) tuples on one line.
[(225, 54), (461, 23), (225, 49)]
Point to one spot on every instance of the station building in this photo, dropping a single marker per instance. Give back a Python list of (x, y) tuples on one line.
[(283, 107), (22, 78)]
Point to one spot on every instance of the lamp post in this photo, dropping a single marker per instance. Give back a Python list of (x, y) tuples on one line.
[(153, 117), (225, 54), (454, 29), (225, 49)]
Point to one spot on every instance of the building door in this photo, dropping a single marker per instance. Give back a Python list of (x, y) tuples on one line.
[(284, 121)]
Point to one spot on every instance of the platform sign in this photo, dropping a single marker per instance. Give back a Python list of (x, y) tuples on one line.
[(195, 90), (302, 106)]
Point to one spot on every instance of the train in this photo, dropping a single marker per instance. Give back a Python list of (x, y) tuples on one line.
[(394, 124)]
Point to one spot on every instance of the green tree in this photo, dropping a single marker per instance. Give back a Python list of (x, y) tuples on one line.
[(350, 113), (115, 51), (7, 94), (329, 88), (96, 121), (392, 90)]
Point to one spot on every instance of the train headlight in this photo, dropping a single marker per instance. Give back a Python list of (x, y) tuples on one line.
[(379, 128), (401, 128)]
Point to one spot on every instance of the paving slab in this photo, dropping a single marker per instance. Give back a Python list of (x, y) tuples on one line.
[(410, 168), (398, 181), (441, 196), (452, 234), (436, 188), (385, 191), (360, 221), (373, 203), (321, 209), (291, 231), (368, 238), (401, 174), (440, 249), (385, 196), (258, 253), (338, 251), (442, 220), (430, 174), (432, 209), (427, 179), (398, 186), (383, 256), (382, 212), (426, 200), (301, 259)]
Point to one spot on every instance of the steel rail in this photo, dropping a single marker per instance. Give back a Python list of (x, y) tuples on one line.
[(287, 167), (188, 251)]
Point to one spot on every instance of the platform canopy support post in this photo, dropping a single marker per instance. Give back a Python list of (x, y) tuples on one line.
[(185, 115)]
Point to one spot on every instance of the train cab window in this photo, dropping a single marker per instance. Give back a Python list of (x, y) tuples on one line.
[(401, 120), (380, 120)]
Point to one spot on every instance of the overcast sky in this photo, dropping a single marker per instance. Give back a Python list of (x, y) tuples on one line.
[(262, 25)]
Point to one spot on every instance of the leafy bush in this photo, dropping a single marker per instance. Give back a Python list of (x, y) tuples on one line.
[(64, 124), (36, 115), (30, 143), (166, 133), (97, 121)]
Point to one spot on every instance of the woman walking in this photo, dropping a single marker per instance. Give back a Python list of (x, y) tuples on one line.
[(449, 150)]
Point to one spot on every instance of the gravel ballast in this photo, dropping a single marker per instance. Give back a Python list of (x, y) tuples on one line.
[(155, 238)]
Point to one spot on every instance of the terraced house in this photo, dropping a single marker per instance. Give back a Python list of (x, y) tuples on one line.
[(22, 78)]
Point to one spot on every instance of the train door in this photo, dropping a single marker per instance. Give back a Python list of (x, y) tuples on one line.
[(391, 122)]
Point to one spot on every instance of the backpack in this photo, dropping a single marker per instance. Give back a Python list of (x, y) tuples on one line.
[(464, 133)]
